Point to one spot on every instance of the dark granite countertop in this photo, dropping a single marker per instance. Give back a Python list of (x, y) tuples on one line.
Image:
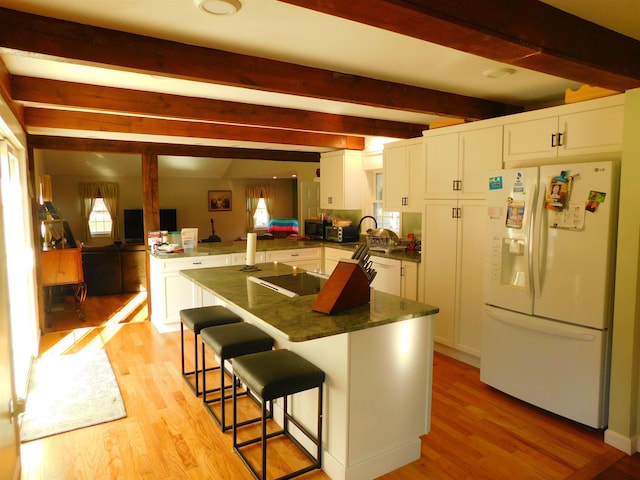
[(239, 246), (293, 317), (404, 255)]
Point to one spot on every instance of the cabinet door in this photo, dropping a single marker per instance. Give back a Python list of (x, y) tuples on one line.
[(415, 179), (178, 295), (469, 300), (531, 140), (480, 151), (441, 166), (307, 258), (595, 131), (331, 258), (331, 182), (409, 281), (395, 194), (241, 258), (439, 254), (388, 275)]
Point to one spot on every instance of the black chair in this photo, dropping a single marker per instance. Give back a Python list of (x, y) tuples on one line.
[(271, 375), (195, 319), (228, 342)]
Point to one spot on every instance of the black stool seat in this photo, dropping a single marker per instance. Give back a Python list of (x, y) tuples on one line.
[(228, 342), (271, 375), (195, 319), (236, 339), (277, 373)]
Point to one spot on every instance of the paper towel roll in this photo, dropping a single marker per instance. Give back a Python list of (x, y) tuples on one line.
[(251, 249)]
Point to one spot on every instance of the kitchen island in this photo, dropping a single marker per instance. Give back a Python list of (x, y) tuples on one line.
[(377, 358)]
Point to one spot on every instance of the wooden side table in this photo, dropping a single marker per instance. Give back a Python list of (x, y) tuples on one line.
[(63, 267)]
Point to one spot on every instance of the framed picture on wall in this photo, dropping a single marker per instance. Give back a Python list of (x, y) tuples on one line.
[(219, 200)]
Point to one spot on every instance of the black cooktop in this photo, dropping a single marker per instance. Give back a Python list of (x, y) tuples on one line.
[(299, 283)]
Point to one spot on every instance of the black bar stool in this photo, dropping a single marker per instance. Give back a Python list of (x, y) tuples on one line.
[(195, 319), (271, 375), (228, 342)]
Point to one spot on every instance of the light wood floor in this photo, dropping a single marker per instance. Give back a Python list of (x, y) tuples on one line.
[(477, 433)]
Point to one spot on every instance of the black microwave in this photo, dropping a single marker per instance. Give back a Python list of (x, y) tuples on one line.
[(315, 228)]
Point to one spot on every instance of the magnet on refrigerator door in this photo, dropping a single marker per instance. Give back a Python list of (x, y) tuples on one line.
[(495, 183), (558, 194), (515, 214), (595, 199), (518, 181)]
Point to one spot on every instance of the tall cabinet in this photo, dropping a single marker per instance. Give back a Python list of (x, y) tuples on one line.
[(403, 168), (454, 218)]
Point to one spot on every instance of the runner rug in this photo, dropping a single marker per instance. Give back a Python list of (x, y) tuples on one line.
[(70, 392)]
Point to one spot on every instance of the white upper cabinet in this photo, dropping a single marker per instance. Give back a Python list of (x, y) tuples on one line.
[(592, 131), (341, 177), (403, 168), (456, 163)]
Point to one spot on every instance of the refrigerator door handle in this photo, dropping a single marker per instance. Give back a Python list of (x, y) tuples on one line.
[(537, 239), (548, 329)]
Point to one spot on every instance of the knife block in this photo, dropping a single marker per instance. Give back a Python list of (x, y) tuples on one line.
[(347, 287)]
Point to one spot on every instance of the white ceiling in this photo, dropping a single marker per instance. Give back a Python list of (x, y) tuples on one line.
[(275, 30)]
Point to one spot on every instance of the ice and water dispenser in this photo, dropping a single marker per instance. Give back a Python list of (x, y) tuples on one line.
[(508, 261)]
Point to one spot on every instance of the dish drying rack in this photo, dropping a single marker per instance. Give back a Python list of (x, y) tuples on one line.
[(386, 244)]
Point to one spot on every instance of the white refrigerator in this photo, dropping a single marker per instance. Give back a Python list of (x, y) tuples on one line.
[(548, 289)]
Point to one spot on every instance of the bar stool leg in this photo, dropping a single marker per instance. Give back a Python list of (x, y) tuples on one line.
[(182, 347), (264, 440)]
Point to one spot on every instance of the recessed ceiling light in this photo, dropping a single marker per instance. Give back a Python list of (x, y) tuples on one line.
[(499, 72), (219, 7)]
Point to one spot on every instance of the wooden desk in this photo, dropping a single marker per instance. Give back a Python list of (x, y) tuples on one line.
[(62, 267)]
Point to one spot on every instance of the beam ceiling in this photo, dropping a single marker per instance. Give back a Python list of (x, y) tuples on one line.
[(525, 33)]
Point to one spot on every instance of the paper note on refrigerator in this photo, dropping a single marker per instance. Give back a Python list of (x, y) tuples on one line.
[(571, 218)]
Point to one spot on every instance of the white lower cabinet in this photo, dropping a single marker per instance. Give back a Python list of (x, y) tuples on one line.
[(393, 276), (388, 275), (171, 292), (307, 258), (409, 281), (241, 258), (332, 256), (452, 258)]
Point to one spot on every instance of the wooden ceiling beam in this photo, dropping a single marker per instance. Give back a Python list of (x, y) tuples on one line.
[(43, 92), (88, 45), (525, 33), (100, 122), (7, 94), (47, 142)]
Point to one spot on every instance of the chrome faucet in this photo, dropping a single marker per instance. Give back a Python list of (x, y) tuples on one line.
[(375, 222)]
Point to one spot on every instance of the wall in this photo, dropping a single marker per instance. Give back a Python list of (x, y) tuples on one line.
[(624, 407), (188, 194)]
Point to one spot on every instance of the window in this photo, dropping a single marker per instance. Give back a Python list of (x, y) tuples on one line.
[(261, 217), (99, 219), (259, 202), (390, 220)]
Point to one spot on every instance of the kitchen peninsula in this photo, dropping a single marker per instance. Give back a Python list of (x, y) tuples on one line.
[(377, 358)]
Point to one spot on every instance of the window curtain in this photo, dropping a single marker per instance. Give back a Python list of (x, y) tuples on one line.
[(110, 194), (88, 194), (254, 193)]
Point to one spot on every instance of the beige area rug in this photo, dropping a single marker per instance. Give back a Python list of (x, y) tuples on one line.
[(70, 392)]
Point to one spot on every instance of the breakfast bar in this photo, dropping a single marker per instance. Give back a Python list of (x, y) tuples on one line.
[(377, 358)]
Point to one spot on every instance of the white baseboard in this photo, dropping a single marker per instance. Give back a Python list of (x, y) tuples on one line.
[(628, 445), (381, 464), (457, 354)]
